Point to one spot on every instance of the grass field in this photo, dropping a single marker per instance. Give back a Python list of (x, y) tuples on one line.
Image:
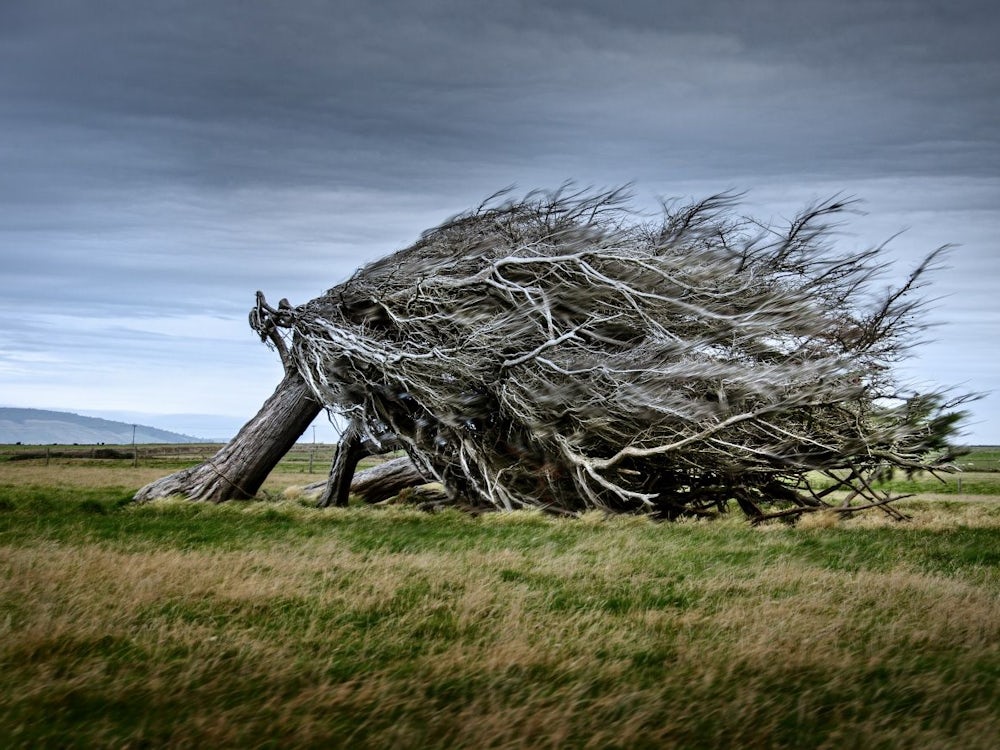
[(273, 624)]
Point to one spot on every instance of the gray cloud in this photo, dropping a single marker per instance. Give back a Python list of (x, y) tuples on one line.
[(159, 158), (312, 92)]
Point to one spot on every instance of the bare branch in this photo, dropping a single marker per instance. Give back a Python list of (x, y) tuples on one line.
[(557, 352)]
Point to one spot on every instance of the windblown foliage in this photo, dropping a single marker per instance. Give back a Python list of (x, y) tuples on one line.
[(562, 352)]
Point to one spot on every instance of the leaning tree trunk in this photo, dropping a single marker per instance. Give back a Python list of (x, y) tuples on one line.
[(350, 450), (341, 483), (238, 470)]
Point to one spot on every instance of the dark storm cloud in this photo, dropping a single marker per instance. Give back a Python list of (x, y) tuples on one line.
[(331, 92)]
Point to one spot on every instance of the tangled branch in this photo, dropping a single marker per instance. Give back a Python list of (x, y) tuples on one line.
[(559, 352)]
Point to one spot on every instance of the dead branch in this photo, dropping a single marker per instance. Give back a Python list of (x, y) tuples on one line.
[(558, 352)]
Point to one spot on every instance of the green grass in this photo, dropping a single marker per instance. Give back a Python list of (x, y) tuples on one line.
[(979, 474), (274, 624), (981, 458), (959, 483)]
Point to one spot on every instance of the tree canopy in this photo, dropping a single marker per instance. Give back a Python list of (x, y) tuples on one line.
[(564, 351)]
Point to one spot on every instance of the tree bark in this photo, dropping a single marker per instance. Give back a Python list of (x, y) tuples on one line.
[(239, 469), (386, 480), (350, 450), (379, 482)]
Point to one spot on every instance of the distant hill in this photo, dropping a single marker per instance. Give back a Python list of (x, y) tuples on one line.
[(43, 427)]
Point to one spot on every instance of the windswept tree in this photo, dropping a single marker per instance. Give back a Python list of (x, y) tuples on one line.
[(563, 352)]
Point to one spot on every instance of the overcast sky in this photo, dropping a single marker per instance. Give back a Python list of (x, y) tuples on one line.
[(160, 161)]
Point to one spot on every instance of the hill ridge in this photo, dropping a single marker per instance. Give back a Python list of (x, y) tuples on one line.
[(45, 426)]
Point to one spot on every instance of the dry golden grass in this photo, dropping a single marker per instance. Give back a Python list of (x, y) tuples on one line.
[(21, 473), (935, 512), (73, 474)]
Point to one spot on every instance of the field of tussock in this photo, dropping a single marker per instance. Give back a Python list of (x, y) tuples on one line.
[(272, 624)]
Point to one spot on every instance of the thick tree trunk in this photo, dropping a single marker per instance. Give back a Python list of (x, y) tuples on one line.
[(379, 482), (386, 480), (239, 469)]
